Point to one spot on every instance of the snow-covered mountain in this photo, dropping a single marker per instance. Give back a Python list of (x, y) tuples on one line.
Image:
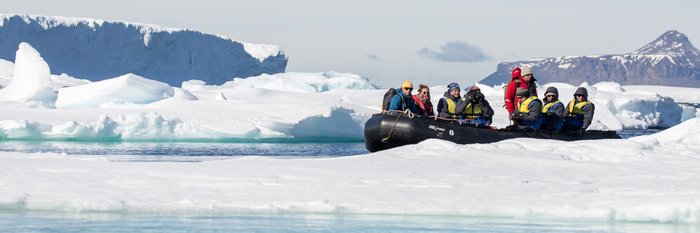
[(670, 60), (97, 50)]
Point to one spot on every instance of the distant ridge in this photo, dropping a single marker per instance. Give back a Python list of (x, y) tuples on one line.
[(670, 60), (98, 49)]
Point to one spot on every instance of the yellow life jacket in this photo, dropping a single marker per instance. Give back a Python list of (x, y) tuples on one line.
[(546, 107), (451, 106), (473, 110), (523, 106), (575, 109)]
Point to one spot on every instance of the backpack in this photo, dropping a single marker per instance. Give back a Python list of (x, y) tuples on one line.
[(505, 88), (387, 98)]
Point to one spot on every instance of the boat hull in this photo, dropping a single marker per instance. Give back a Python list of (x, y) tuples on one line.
[(389, 130)]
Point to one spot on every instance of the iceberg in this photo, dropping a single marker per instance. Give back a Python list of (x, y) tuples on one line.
[(31, 79), (97, 49)]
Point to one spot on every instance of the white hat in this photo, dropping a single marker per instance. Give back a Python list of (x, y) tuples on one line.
[(525, 71)]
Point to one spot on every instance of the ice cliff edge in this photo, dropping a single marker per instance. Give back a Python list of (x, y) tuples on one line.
[(98, 50)]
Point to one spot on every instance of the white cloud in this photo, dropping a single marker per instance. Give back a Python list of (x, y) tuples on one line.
[(456, 51)]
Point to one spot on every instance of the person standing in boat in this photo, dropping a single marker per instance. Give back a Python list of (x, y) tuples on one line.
[(579, 111), (529, 111), (448, 103), (513, 85), (422, 100), (552, 111), (529, 80), (475, 109)]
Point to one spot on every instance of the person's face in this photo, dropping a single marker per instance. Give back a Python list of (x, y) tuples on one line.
[(474, 96), (527, 78), (455, 93), (550, 98), (424, 93), (407, 91), (578, 97)]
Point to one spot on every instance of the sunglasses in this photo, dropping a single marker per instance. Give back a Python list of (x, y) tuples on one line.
[(578, 95), (410, 89)]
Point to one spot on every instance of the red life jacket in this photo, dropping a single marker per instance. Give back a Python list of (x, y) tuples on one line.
[(426, 109)]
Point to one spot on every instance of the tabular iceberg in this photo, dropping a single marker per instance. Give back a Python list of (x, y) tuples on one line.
[(97, 50)]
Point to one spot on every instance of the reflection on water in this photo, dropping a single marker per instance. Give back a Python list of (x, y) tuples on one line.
[(156, 150), (637, 132), (198, 151), (95, 222)]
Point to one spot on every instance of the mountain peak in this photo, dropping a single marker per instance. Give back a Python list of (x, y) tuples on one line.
[(671, 42)]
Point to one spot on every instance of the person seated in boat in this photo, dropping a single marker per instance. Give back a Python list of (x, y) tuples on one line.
[(422, 100), (579, 112), (552, 111), (474, 107), (448, 103), (402, 100), (528, 114)]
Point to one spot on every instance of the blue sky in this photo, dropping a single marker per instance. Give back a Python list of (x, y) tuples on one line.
[(433, 42)]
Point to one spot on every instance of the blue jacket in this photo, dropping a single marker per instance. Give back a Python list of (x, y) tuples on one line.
[(401, 102)]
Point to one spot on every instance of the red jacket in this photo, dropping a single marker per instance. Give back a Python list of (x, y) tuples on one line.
[(509, 97), (425, 109)]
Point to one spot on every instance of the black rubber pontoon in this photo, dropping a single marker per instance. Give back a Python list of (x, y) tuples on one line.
[(393, 129)]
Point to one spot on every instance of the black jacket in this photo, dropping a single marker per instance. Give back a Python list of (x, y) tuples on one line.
[(442, 109), (464, 101)]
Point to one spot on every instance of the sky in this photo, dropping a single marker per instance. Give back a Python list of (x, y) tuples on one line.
[(432, 42)]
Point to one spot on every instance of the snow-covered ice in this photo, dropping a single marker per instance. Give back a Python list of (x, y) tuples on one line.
[(125, 89), (274, 106), (6, 69), (600, 180)]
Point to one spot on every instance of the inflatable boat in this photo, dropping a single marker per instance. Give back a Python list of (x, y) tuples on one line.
[(394, 129)]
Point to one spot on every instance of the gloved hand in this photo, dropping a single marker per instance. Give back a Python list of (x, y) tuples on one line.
[(517, 116)]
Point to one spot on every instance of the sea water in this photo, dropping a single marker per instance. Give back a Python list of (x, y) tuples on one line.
[(198, 151), (114, 222), (185, 151), (18, 220)]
